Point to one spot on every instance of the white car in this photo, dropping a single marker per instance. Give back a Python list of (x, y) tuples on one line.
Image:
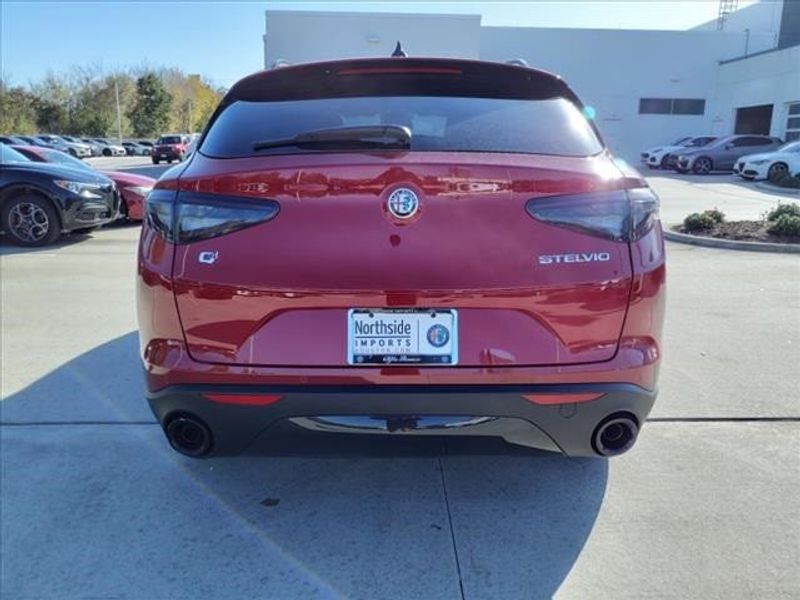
[(192, 146), (664, 156), (108, 148), (767, 165)]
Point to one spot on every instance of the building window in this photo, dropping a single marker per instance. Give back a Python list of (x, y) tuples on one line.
[(672, 106), (655, 106), (793, 123)]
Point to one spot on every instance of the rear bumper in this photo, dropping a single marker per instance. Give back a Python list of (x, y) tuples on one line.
[(484, 410), (167, 154)]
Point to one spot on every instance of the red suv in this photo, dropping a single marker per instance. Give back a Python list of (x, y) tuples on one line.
[(415, 246), (170, 147)]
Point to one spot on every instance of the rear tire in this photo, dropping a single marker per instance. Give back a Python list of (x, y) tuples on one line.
[(30, 220), (155, 161), (702, 165)]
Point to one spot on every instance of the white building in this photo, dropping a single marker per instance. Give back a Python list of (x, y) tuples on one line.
[(647, 87)]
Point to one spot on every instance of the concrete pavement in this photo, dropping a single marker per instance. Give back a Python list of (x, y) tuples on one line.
[(682, 195), (95, 504)]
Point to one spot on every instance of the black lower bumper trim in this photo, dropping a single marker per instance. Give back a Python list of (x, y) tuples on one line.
[(566, 428)]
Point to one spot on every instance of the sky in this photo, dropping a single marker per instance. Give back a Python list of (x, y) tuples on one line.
[(223, 40)]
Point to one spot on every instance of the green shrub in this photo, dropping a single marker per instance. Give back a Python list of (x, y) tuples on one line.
[(698, 222), (786, 180), (786, 225), (790, 210), (716, 215)]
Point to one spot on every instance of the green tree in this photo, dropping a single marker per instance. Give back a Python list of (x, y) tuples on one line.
[(194, 99), (17, 113), (53, 100), (151, 110)]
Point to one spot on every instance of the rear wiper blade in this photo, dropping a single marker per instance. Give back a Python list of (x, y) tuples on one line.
[(343, 138)]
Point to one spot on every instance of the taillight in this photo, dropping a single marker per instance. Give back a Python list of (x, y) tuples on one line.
[(190, 216), (619, 215)]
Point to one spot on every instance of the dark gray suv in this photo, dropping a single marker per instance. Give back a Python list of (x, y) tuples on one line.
[(723, 153)]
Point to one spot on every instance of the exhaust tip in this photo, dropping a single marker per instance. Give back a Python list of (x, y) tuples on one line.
[(615, 434), (189, 435)]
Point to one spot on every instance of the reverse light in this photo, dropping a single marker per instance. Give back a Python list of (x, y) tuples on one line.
[(79, 188), (196, 216), (618, 215)]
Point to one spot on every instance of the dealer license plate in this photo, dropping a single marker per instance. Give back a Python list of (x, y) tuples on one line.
[(402, 337)]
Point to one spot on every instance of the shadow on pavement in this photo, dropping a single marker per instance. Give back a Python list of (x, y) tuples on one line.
[(104, 385), (65, 241), (7, 247), (304, 515)]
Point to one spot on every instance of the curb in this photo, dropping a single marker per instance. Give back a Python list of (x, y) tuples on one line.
[(777, 190), (709, 242)]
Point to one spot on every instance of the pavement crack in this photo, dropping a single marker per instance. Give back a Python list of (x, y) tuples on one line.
[(67, 423), (723, 420), (452, 530)]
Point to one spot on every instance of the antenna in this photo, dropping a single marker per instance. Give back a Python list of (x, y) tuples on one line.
[(399, 52)]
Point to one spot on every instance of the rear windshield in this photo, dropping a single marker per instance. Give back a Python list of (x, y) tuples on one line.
[(170, 139), (437, 123)]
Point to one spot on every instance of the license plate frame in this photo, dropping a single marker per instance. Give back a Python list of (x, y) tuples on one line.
[(440, 327)]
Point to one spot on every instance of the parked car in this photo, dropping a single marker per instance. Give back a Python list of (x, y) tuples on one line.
[(132, 188), (192, 145), (79, 150), (146, 143), (722, 154), (135, 148), (97, 149), (768, 165), (40, 201), (108, 148), (32, 141), (170, 147), (10, 140), (664, 157), (402, 245)]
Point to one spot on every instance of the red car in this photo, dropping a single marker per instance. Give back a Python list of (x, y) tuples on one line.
[(133, 188), (170, 147), (415, 246)]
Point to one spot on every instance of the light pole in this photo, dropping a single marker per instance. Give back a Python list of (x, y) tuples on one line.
[(119, 113)]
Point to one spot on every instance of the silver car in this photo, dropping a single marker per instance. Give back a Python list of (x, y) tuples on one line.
[(78, 150), (722, 154)]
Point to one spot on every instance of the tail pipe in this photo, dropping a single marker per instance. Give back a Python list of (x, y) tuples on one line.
[(189, 435), (615, 434)]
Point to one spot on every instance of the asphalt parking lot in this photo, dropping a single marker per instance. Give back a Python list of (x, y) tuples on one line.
[(95, 504)]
